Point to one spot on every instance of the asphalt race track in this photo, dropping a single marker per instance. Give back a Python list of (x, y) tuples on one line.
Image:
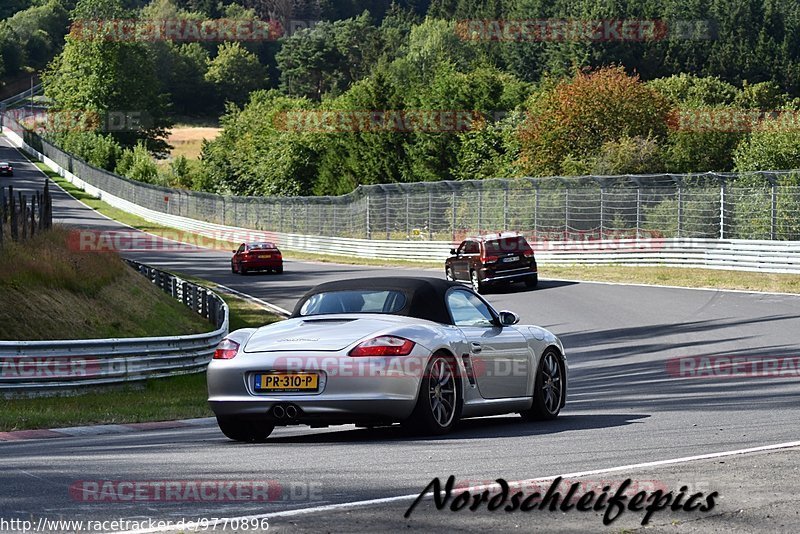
[(623, 407)]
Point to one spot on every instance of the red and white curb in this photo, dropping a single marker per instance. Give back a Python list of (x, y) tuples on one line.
[(100, 430)]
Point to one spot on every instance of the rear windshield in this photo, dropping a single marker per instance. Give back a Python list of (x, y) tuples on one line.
[(386, 301), (507, 244), (259, 246)]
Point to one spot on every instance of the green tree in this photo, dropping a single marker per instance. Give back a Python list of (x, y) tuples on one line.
[(105, 75), (328, 57), (235, 73), (261, 151)]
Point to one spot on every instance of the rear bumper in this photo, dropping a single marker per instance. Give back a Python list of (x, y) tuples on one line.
[(262, 264), (350, 389), (516, 275)]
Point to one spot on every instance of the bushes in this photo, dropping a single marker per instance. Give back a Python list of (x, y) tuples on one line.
[(575, 118)]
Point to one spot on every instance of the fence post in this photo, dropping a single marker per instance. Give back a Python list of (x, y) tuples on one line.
[(566, 214), (453, 223), (536, 212), (680, 211), (773, 226), (408, 216), (602, 212), (369, 230), (480, 209), (638, 211), (722, 209), (430, 216), (388, 225), (505, 206)]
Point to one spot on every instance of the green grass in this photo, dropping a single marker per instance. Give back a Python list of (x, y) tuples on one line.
[(164, 399), (676, 276), (49, 290)]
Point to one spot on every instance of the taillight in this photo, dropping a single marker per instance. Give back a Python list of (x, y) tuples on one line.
[(528, 253), (490, 259), (383, 346), (226, 350)]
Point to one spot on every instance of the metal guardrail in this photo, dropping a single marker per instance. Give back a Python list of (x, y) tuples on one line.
[(643, 247), (11, 101), (36, 368)]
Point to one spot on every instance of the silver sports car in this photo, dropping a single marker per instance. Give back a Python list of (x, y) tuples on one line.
[(424, 352)]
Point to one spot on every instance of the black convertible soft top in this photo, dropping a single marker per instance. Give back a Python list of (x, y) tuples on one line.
[(425, 297)]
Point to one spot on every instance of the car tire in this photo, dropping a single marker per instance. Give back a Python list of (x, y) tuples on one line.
[(239, 429), (532, 281), (279, 270), (477, 285), (438, 407), (450, 274), (233, 268), (242, 269), (549, 391)]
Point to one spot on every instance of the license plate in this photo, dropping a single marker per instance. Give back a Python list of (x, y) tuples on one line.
[(265, 256), (510, 259), (286, 382)]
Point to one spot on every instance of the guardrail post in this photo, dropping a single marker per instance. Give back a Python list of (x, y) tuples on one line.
[(185, 293), (204, 305), (680, 211), (566, 213)]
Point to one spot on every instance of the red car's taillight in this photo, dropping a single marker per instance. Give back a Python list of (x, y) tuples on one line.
[(226, 350), (384, 346)]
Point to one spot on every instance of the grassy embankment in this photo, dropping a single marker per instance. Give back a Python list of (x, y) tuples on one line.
[(180, 397), (49, 291)]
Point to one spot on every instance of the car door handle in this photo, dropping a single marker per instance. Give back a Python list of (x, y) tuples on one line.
[(476, 347)]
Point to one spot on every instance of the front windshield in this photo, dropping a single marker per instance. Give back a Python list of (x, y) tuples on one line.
[(385, 301)]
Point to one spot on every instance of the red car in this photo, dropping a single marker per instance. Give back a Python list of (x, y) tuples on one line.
[(257, 257), (6, 169)]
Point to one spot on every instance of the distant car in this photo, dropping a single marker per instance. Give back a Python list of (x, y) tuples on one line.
[(492, 259), (6, 169), (257, 257), (424, 352)]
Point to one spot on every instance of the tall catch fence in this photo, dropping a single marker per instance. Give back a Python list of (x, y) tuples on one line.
[(755, 206)]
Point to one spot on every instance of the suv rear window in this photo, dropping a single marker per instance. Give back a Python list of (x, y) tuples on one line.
[(507, 244)]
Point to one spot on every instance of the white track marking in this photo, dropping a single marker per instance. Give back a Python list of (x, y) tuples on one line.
[(716, 289), (471, 489)]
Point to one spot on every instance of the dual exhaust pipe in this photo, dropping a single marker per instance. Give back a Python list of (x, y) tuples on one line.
[(288, 411)]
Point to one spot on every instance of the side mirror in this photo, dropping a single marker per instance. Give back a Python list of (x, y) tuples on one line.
[(508, 318), (453, 252), (233, 251)]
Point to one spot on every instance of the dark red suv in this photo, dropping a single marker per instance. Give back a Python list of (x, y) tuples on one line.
[(256, 257), (492, 259)]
